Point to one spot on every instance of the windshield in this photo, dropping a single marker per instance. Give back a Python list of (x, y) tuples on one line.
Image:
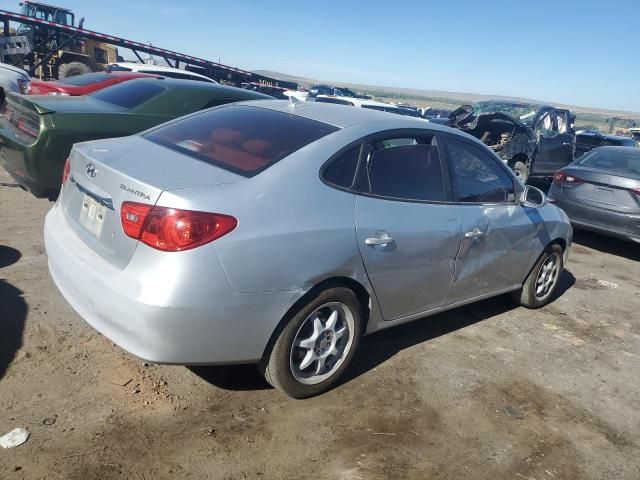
[(523, 112), (129, 94), (50, 14), (625, 161)]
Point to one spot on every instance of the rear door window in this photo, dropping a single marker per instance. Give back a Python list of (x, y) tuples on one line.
[(406, 168), (244, 140)]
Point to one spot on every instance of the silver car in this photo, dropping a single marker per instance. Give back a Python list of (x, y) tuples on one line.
[(279, 234), (600, 191)]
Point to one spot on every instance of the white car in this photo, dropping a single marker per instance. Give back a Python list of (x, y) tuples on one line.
[(296, 94), (159, 70), (367, 103), (13, 79), (358, 102)]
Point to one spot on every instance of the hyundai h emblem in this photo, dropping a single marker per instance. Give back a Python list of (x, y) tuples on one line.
[(91, 170)]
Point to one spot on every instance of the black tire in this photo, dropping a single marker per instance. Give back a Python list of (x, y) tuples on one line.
[(277, 366), (521, 171), (527, 296), (72, 69)]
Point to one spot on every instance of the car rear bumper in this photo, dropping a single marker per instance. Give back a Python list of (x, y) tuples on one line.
[(617, 224), (193, 318)]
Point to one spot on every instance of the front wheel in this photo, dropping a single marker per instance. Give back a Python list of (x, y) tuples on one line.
[(542, 280), (316, 345)]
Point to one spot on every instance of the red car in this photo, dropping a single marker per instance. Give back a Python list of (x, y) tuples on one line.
[(83, 84)]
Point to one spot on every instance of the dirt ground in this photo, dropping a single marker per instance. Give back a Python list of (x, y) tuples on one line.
[(488, 391)]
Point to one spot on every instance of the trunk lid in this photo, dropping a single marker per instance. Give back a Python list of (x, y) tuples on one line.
[(106, 173), (68, 104), (602, 189)]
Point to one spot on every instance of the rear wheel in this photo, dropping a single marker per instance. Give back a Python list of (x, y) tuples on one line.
[(317, 344), (542, 280), (72, 69)]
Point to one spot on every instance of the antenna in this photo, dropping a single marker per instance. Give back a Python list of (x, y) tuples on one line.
[(295, 102)]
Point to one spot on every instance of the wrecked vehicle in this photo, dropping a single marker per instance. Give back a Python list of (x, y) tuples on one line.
[(534, 140)]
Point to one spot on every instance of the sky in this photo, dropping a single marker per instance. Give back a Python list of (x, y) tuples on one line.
[(573, 52)]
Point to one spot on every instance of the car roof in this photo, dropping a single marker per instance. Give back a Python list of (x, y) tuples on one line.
[(177, 83), (343, 116), (160, 68), (616, 149), (122, 73), (590, 133), (13, 68)]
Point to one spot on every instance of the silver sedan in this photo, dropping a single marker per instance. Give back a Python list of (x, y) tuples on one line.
[(279, 234), (600, 191)]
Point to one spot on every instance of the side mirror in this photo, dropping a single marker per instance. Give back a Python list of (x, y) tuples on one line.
[(533, 197)]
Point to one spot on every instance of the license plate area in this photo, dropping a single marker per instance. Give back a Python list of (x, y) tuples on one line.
[(92, 215)]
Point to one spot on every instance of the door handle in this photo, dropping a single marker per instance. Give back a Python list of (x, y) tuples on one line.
[(382, 239), (475, 233), (567, 144)]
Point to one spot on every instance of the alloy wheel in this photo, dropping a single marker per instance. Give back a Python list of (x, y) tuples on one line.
[(547, 276), (321, 344)]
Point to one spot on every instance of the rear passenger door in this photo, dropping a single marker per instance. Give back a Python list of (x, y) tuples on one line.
[(407, 229), (497, 232)]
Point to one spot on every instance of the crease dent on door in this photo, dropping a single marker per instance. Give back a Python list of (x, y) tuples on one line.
[(412, 273)]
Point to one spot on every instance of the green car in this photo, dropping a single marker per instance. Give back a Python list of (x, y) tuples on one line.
[(37, 132)]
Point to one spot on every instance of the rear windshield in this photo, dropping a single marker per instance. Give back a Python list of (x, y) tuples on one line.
[(130, 94), (617, 161), (86, 79), (244, 140)]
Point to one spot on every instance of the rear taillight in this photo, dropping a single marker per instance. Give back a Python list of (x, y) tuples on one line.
[(636, 192), (27, 127), (171, 229), (65, 171), (562, 177)]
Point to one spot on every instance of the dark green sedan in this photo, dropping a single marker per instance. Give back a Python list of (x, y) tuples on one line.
[(37, 132)]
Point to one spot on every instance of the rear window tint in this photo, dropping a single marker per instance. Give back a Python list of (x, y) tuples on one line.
[(614, 161), (130, 94), (86, 79), (244, 140)]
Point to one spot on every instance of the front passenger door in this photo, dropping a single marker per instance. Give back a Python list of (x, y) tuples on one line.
[(497, 232)]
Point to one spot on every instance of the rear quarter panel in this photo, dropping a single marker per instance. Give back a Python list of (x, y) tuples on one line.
[(294, 231)]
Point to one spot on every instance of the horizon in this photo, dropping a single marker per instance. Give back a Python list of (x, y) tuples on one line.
[(578, 55), (400, 89)]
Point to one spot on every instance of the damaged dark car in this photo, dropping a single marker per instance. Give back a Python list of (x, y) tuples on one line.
[(534, 140)]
